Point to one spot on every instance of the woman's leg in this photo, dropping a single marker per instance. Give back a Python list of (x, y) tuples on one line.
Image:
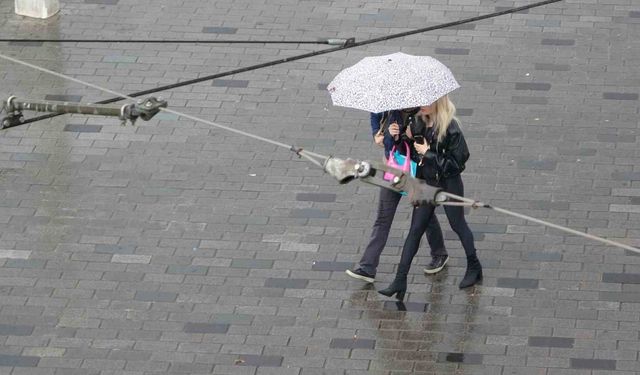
[(419, 220), (387, 206), (435, 237), (455, 214)]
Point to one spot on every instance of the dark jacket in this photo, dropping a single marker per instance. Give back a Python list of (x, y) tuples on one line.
[(385, 119), (446, 158)]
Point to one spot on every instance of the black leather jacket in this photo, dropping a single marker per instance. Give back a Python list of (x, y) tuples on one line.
[(446, 158)]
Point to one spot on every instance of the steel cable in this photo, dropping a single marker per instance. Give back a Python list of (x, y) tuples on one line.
[(310, 54), (312, 157)]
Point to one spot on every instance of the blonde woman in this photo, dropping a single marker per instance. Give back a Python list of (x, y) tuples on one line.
[(443, 155)]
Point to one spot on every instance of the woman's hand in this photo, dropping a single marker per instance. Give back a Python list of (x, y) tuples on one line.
[(421, 148), (378, 138), (408, 132), (394, 130)]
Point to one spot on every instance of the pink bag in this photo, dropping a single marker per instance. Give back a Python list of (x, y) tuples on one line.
[(401, 162)]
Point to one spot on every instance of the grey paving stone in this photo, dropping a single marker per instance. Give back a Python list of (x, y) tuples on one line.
[(510, 282), (83, 128), (621, 278), (322, 86), (309, 213), (529, 100), (230, 83), (219, 30), (30, 157), (235, 319), (578, 151), (382, 17), (488, 228), (258, 360), (114, 249), (18, 360), (155, 296), (543, 23), (63, 98), (286, 283), (331, 266), (405, 306), (619, 96), (205, 328), (252, 263), (463, 112), (619, 296), (452, 51), (624, 176), (551, 342), (316, 197), (535, 86), (119, 59), (542, 256), (350, 343), (15, 330), (542, 165), (187, 269), (466, 358), (634, 14), (593, 364), (25, 263), (558, 42), (552, 67)]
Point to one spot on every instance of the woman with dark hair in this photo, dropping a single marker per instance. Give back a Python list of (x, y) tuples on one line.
[(442, 155)]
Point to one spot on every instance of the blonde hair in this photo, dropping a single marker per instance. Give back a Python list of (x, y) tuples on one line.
[(445, 113)]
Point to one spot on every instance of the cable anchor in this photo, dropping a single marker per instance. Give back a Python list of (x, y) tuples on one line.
[(129, 112)]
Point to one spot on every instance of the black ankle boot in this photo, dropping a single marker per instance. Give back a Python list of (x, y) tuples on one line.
[(398, 286), (473, 274)]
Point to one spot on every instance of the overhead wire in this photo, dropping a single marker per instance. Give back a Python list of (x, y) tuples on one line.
[(311, 54), (303, 153), (313, 157), (165, 41)]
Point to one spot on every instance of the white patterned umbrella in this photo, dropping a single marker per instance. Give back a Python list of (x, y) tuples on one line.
[(396, 81)]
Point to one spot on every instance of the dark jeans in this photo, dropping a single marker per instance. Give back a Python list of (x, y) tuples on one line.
[(387, 205), (423, 215)]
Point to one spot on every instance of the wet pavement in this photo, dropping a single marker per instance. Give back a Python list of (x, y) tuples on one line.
[(175, 248)]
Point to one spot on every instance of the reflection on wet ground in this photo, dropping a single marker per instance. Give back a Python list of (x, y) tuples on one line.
[(172, 248), (427, 337)]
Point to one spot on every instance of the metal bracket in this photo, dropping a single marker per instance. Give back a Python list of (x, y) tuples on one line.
[(372, 173), (129, 112), (14, 117), (142, 109)]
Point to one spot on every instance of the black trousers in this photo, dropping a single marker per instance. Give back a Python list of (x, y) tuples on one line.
[(423, 215), (387, 206)]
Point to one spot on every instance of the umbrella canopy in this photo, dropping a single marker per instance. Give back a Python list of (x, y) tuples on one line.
[(396, 81)]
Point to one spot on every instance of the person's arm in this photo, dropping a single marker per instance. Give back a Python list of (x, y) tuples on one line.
[(376, 123), (455, 155), (375, 119)]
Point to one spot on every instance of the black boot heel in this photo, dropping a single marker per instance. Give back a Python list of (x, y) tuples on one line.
[(473, 273), (389, 292), (397, 287)]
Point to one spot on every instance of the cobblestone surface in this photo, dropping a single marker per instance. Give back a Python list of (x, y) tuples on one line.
[(175, 248)]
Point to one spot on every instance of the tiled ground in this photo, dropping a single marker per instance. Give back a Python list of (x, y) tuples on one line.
[(175, 248)]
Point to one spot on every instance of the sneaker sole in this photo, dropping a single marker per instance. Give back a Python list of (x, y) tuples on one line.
[(360, 277), (436, 270)]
